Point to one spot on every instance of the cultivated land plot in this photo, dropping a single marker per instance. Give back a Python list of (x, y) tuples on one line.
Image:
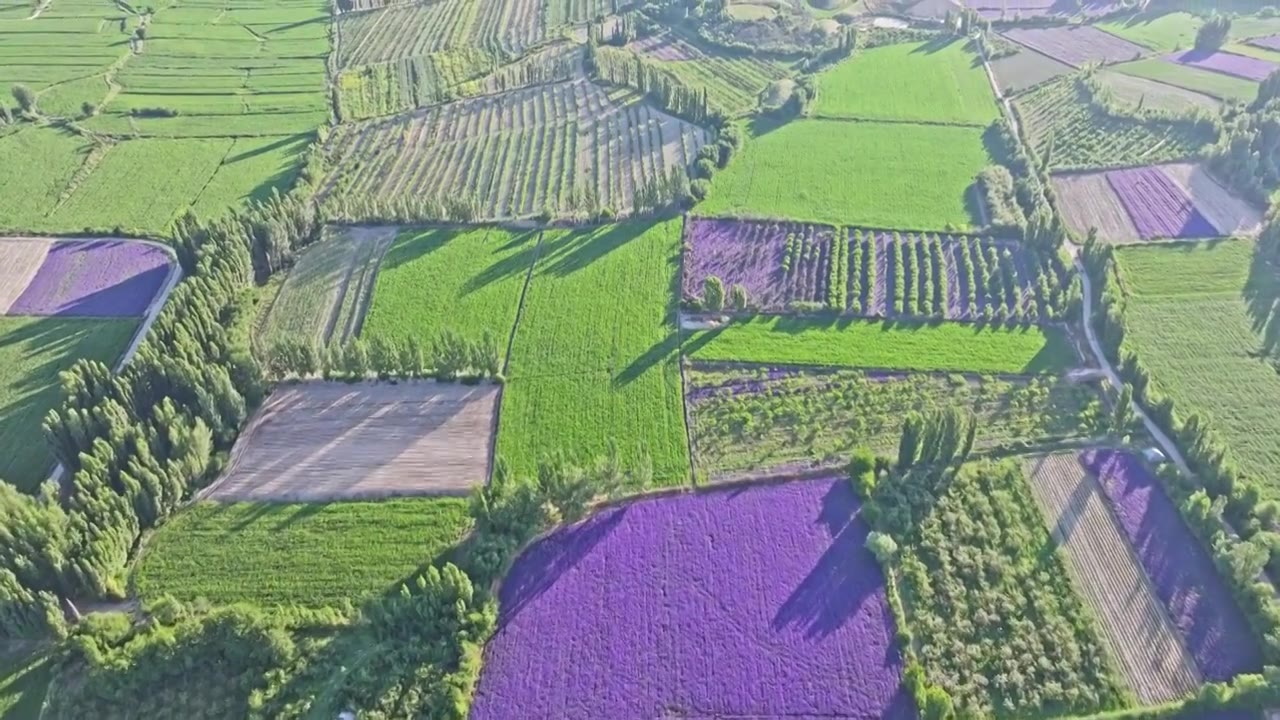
[(922, 82), (316, 441), (313, 555), (733, 82), (754, 420), (1062, 113), (915, 177), (1024, 70), (50, 160), (594, 357), (1020, 9), (1198, 316), (249, 171), (1179, 200), (1183, 573), (554, 147), (1207, 82), (951, 347), (86, 278), (1241, 66), (1164, 33), (871, 274), (326, 294), (468, 281), (22, 259), (1136, 91), (1076, 45), (1111, 580), (721, 605), (33, 350)]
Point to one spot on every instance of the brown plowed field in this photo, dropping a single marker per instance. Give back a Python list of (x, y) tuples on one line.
[(1228, 213), (1087, 200), (317, 441), (1140, 634)]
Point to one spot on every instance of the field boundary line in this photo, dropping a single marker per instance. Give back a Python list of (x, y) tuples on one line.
[(684, 381), (524, 292), (894, 121)]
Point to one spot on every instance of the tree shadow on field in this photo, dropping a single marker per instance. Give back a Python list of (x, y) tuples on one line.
[(515, 264), (406, 250), (1262, 300), (937, 44), (973, 205), (580, 248), (845, 576)]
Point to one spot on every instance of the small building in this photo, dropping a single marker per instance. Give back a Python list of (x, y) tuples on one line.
[(1155, 456)]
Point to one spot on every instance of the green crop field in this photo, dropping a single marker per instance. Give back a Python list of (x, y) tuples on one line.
[(1214, 84), (821, 416), (595, 355), (49, 160), (251, 168), (298, 554), (1062, 114), (885, 345), (32, 353), (733, 82), (327, 291), (468, 281), (1162, 33), (927, 82), (1188, 317), (163, 178), (913, 177)]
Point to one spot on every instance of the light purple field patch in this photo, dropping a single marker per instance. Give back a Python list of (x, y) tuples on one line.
[(1158, 206), (759, 602), (1269, 42), (1075, 45), (1180, 569), (1008, 9), (95, 278), (1240, 66), (751, 254)]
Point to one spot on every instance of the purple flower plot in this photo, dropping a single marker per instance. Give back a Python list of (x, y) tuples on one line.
[(1269, 42), (1240, 66), (97, 278), (1158, 206), (754, 255), (1180, 569), (759, 602)]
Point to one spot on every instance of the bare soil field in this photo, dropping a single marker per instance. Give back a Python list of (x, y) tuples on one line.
[(1230, 214), (1134, 90), (1106, 573), (1024, 70), (22, 258), (1087, 200), (318, 441), (1076, 45), (555, 147)]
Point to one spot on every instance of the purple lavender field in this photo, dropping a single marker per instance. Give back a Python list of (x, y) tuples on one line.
[(1269, 42), (95, 278), (1180, 569), (1240, 66), (1158, 206), (755, 255), (1009, 9), (758, 602)]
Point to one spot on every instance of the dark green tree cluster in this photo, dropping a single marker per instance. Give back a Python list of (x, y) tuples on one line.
[(838, 272), (661, 192), (1213, 33), (455, 206), (938, 438), (449, 357), (1247, 154), (714, 157), (1006, 217)]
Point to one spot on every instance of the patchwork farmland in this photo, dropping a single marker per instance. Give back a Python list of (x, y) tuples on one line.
[(826, 359), (1179, 200), (558, 148)]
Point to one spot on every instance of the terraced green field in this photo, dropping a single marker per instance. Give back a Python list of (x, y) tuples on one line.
[(912, 177), (1214, 84), (885, 345), (32, 353), (595, 356), (914, 82), (312, 555), (1162, 33), (1193, 317)]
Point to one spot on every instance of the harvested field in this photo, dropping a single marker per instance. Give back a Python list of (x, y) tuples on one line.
[(318, 441), (1228, 213), (1076, 45), (1086, 200), (1178, 200), (1111, 580), (328, 290), (558, 147), (1025, 70), (22, 259), (1136, 91)]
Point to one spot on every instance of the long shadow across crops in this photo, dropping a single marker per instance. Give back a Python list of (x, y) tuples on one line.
[(1262, 298), (845, 577)]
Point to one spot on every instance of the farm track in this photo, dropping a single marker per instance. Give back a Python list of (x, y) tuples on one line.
[(1110, 577)]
